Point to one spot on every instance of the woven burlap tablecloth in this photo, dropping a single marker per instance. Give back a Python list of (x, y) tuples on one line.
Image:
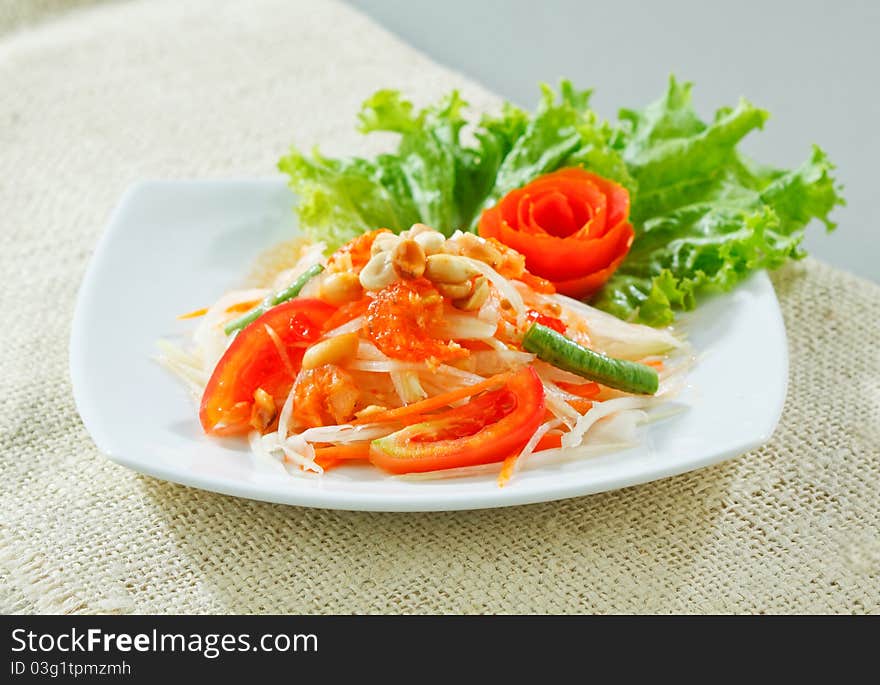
[(97, 99)]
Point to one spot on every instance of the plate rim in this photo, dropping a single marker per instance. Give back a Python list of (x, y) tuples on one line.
[(361, 501)]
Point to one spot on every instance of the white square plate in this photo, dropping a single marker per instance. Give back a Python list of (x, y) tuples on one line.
[(173, 246)]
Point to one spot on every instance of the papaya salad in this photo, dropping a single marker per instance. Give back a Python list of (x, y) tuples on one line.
[(519, 304), (420, 353)]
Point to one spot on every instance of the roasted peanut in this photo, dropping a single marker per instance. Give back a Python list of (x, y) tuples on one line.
[(384, 242), (469, 245), (263, 411), (417, 229), (378, 272), (476, 299), (456, 291), (430, 241), (447, 268), (331, 351), (408, 259), (339, 288)]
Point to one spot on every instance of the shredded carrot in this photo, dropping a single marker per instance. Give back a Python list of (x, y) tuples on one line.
[(581, 406), (585, 390), (239, 307), (507, 469), (654, 363), (549, 441), (336, 455), (242, 306), (436, 402), (194, 314), (355, 450), (327, 463)]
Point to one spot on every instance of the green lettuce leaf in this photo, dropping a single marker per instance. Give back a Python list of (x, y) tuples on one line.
[(438, 178), (705, 216), (563, 132)]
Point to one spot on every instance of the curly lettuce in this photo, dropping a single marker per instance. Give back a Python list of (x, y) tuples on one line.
[(705, 216), (437, 177)]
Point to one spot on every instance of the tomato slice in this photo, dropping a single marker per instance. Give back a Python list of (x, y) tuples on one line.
[(347, 312), (487, 429), (257, 359)]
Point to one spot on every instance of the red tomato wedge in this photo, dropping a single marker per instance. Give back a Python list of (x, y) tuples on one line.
[(487, 429), (259, 359), (347, 312)]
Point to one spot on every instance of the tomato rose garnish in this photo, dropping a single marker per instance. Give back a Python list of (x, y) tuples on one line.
[(571, 225)]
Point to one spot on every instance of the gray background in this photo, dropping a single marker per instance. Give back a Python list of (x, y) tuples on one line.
[(813, 65)]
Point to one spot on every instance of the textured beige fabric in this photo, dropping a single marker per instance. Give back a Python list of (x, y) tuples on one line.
[(101, 98), (16, 14)]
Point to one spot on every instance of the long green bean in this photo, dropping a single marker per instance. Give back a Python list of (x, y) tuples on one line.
[(288, 293)]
